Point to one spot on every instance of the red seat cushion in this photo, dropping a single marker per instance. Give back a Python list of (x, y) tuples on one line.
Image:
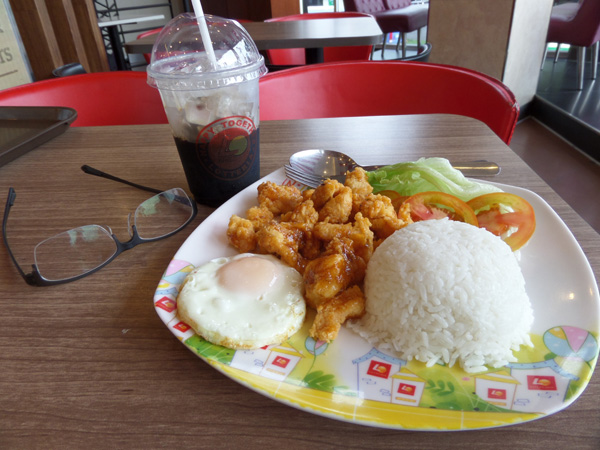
[(575, 24), (565, 11), (396, 4), (404, 20), (365, 6)]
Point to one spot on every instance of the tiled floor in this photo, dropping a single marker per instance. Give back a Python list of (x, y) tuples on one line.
[(574, 114), (557, 85), (571, 173)]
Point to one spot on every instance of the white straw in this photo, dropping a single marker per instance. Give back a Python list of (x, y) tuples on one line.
[(210, 52)]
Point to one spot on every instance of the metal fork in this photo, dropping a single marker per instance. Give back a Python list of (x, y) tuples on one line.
[(307, 179), (313, 180)]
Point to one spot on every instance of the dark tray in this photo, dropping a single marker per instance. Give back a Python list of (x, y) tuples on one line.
[(23, 128)]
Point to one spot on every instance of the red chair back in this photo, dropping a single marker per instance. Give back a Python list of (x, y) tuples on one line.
[(374, 88), (297, 56), (103, 98), (147, 56)]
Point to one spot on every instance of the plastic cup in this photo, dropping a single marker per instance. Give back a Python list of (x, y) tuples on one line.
[(212, 108)]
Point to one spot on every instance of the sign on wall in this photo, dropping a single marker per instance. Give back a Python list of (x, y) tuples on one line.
[(14, 67)]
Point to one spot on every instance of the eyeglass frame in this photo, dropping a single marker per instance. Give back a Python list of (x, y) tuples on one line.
[(34, 278)]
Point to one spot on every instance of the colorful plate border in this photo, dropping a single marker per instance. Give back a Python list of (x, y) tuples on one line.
[(349, 380)]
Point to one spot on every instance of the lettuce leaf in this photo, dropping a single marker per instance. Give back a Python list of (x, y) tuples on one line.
[(427, 174)]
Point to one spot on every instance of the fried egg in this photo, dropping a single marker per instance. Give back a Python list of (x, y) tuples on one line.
[(243, 302)]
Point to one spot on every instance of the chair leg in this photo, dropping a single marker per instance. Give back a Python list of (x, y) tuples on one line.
[(544, 57), (383, 46), (580, 67), (403, 45), (398, 43), (557, 52), (595, 50)]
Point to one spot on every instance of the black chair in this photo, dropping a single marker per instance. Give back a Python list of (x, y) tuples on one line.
[(68, 69)]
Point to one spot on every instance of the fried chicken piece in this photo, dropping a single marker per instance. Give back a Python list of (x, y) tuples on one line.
[(404, 214), (328, 231), (380, 211), (331, 273), (339, 208), (307, 194), (325, 192), (359, 232), (358, 181), (350, 304), (278, 199), (304, 213), (333, 200), (259, 216), (241, 234), (376, 205), (324, 278), (279, 239), (384, 227), (327, 234), (313, 246)]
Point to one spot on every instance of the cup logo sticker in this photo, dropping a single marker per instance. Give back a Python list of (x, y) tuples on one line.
[(228, 147)]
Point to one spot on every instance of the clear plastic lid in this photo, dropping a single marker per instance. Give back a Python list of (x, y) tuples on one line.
[(180, 62)]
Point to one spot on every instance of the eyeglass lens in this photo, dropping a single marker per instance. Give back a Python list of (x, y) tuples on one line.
[(74, 252), (163, 214), (80, 250)]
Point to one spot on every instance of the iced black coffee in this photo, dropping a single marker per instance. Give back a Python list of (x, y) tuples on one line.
[(212, 105)]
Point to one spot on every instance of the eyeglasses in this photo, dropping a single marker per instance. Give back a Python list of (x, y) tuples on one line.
[(79, 252)]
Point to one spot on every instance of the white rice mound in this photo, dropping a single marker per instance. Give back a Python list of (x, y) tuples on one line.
[(445, 291)]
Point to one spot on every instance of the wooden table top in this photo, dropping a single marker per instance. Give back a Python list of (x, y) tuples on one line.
[(337, 32), (89, 364)]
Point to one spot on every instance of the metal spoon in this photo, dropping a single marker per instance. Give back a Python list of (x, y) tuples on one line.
[(329, 163)]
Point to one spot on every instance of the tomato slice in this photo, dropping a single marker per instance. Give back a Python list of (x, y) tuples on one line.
[(437, 205), (490, 217)]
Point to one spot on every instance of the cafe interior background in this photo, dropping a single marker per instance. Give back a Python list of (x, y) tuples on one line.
[(559, 124)]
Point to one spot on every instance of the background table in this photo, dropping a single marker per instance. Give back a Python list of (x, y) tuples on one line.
[(112, 27), (312, 35), (90, 365)]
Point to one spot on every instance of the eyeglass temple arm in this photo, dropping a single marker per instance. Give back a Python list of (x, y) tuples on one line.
[(28, 277), (99, 173)]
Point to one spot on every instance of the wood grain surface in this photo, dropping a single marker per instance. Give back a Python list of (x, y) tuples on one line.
[(90, 365)]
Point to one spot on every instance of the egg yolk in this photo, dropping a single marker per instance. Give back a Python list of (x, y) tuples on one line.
[(249, 276)]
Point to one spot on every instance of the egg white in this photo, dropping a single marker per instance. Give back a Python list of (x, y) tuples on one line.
[(240, 318)]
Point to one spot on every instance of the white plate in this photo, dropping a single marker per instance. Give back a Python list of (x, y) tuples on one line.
[(352, 381)]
